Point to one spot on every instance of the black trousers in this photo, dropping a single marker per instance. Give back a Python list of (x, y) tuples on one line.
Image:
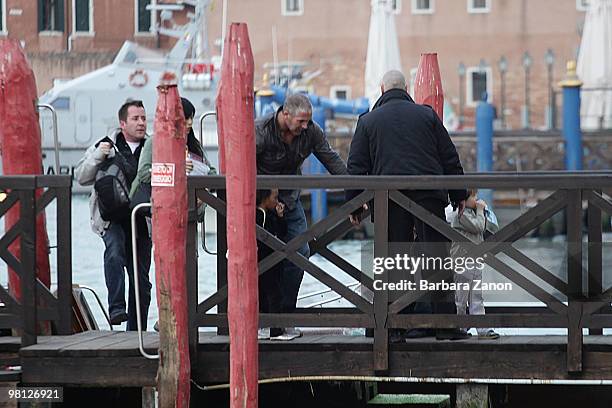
[(408, 234), (270, 294)]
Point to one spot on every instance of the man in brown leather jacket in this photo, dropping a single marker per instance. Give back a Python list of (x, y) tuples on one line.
[(285, 139)]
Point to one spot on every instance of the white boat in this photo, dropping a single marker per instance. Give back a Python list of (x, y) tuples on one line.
[(86, 107)]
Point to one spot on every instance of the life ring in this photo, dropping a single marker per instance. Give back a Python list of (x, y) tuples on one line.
[(138, 78)]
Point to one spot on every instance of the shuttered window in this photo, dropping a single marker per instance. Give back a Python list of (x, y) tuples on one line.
[(2, 15), (82, 13), (143, 16), (50, 15)]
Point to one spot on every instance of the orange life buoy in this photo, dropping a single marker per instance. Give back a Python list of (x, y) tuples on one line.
[(138, 78)]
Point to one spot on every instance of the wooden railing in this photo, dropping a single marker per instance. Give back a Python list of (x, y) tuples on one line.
[(578, 306), (38, 304)]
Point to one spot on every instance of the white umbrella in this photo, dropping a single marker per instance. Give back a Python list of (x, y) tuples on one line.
[(383, 49), (595, 65)]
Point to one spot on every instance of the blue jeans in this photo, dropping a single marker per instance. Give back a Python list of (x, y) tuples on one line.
[(117, 256), (291, 275)]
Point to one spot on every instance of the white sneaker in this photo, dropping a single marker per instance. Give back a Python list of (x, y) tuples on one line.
[(290, 333), (263, 333)]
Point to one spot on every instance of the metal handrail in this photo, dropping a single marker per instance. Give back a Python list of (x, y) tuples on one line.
[(202, 117), (207, 162), (99, 303), (136, 284), (203, 237), (55, 133)]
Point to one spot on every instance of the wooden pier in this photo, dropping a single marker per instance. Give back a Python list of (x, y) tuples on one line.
[(111, 359)]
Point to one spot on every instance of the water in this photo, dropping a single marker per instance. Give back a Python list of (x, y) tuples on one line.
[(88, 250)]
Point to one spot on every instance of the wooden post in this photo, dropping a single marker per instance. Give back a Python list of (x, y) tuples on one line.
[(428, 84), (595, 252), (236, 119), (169, 200), (575, 295), (472, 396), (20, 144), (381, 297)]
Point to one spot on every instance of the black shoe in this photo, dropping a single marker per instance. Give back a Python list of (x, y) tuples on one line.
[(451, 334), (418, 333), (119, 318)]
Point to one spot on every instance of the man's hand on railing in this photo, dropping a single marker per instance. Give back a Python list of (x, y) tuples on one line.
[(355, 217)]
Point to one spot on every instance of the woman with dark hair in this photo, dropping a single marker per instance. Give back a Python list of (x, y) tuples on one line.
[(196, 162)]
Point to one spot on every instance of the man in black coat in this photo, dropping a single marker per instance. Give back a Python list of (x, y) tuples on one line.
[(400, 137)]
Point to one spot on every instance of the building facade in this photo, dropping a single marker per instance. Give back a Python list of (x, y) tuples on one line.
[(471, 37), (68, 38), (516, 50)]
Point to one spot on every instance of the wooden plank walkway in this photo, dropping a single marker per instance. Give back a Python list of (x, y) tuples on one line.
[(104, 358)]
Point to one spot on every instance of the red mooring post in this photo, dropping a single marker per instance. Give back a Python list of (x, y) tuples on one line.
[(428, 84), (169, 201), (20, 145), (236, 115)]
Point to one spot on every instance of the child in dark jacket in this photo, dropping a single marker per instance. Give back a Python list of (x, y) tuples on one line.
[(269, 215)]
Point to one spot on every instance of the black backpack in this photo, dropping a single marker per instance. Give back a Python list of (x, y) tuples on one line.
[(113, 188)]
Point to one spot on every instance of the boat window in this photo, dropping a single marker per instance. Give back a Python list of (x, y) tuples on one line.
[(61, 103)]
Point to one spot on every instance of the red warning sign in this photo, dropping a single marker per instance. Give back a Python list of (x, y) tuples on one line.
[(162, 174)]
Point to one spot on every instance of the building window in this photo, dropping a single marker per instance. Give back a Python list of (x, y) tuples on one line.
[(83, 16), (2, 16), (479, 6), (292, 7), (143, 16), (478, 81), (423, 6), (396, 6), (51, 15), (340, 92), (582, 5)]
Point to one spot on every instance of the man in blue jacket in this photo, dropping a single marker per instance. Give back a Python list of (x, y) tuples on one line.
[(400, 137)]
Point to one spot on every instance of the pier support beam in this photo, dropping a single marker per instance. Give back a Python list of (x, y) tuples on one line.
[(235, 108), (169, 201)]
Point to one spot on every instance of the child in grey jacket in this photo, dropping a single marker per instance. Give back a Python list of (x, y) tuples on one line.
[(472, 223)]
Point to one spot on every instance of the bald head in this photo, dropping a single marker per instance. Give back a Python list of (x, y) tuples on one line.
[(393, 80)]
